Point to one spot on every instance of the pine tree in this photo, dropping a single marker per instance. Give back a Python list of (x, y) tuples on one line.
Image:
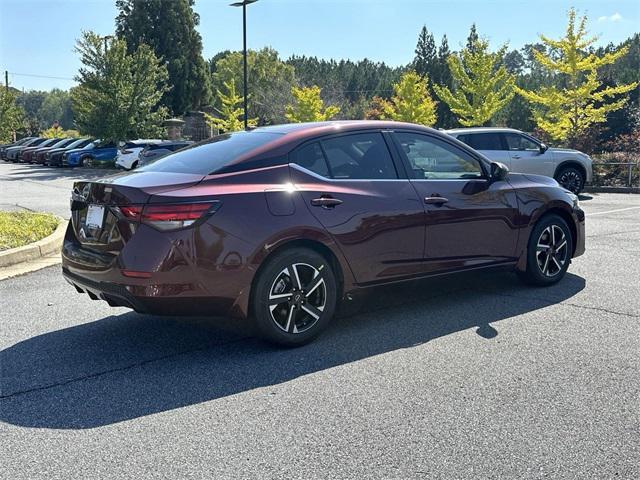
[(473, 38), (442, 76), (567, 112), (169, 28), (308, 106), (411, 101), (231, 113), (425, 60), (482, 85)]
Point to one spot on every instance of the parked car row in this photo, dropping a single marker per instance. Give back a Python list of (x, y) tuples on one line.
[(77, 152), (136, 153)]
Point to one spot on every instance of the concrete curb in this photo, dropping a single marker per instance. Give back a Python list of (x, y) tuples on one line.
[(589, 189), (42, 248)]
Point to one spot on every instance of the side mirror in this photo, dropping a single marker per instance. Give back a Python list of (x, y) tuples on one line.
[(543, 148), (499, 171)]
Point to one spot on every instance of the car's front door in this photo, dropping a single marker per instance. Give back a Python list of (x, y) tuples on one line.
[(470, 219), (527, 156), (351, 184)]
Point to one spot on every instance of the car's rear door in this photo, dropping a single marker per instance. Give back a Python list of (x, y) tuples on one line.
[(470, 220), (352, 185), (527, 156)]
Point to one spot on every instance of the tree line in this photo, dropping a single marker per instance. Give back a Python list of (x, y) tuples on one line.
[(565, 90)]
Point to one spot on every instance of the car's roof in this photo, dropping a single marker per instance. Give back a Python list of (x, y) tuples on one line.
[(336, 125), (482, 130)]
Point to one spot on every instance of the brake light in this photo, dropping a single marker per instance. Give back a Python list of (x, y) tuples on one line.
[(170, 216)]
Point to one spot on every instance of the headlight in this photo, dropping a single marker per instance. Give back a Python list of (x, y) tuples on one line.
[(574, 200)]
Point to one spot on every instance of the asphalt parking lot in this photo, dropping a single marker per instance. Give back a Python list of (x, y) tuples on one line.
[(472, 376)]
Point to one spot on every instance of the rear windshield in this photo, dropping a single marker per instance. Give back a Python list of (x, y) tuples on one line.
[(211, 155)]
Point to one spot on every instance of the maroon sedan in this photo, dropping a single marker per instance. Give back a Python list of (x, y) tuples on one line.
[(280, 223)]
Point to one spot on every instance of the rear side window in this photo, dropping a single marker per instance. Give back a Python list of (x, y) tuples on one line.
[(212, 155), (482, 141), (362, 156), (311, 157), (520, 142)]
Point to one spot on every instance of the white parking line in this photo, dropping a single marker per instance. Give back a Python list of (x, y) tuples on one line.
[(612, 211)]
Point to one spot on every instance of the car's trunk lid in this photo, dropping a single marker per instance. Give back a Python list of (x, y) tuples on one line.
[(96, 206)]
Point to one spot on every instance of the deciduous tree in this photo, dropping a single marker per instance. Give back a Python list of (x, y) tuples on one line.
[(11, 115), (270, 81), (118, 93), (231, 112), (579, 100), (308, 106), (411, 101), (482, 85)]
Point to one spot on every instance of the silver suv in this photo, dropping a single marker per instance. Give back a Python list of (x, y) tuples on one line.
[(523, 153)]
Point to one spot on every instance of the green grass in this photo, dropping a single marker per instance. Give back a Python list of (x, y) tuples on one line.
[(21, 228)]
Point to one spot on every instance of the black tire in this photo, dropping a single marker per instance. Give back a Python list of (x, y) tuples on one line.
[(547, 265), (83, 161), (571, 178), (134, 165), (292, 320)]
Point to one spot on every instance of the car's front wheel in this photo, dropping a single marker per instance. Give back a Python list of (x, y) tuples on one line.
[(294, 297), (571, 178), (549, 251)]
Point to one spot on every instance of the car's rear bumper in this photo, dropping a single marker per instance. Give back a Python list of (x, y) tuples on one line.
[(175, 282), (579, 223), (145, 299)]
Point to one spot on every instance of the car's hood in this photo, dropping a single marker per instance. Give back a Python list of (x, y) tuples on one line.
[(537, 179), (565, 150), (57, 150)]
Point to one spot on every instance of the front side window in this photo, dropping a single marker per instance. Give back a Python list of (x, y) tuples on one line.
[(431, 158), (482, 141), (519, 142), (362, 156)]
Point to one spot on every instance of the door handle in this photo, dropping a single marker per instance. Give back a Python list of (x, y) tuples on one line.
[(325, 202), (435, 200), (515, 156)]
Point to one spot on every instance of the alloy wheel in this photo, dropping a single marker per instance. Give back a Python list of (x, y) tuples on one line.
[(297, 297), (552, 251), (571, 180)]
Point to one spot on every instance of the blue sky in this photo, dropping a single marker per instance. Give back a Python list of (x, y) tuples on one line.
[(37, 36)]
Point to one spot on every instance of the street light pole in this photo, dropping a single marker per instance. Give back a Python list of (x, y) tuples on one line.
[(245, 89)]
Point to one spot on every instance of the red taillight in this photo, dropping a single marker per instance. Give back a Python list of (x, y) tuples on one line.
[(169, 216), (136, 274), (132, 212)]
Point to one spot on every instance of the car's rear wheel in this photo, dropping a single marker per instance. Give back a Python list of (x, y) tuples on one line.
[(134, 165), (549, 251), (571, 178), (294, 297)]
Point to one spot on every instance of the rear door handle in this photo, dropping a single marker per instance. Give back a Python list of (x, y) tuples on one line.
[(516, 156), (435, 200), (325, 202)]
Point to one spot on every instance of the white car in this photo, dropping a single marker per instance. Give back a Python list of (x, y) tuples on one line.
[(523, 153), (128, 154)]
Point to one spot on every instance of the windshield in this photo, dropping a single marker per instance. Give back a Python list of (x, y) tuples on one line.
[(77, 143), (211, 155)]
